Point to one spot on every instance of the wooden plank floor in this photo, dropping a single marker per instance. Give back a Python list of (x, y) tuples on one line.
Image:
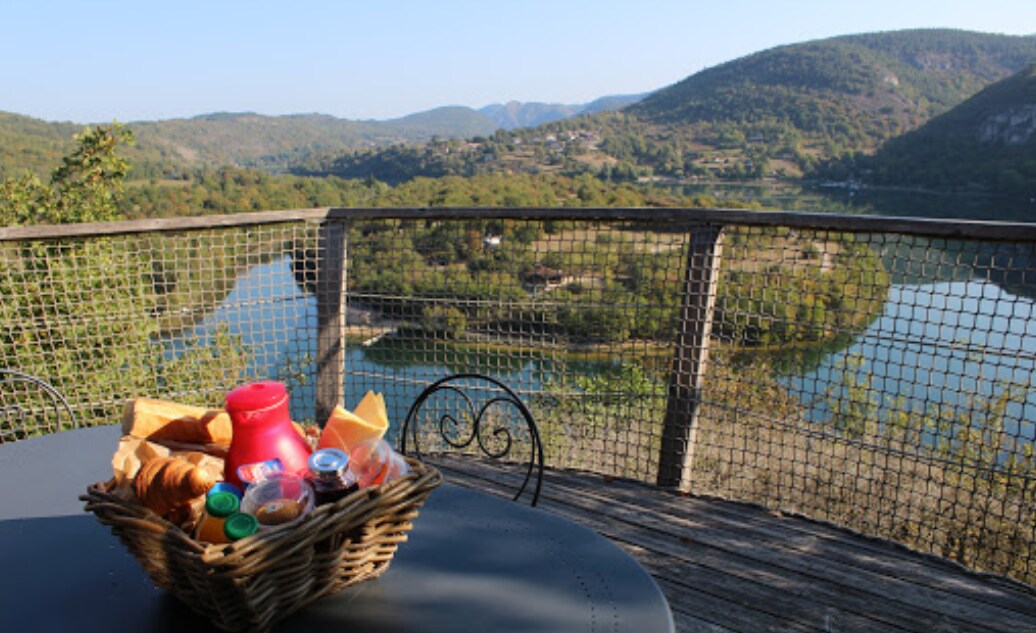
[(735, 567)]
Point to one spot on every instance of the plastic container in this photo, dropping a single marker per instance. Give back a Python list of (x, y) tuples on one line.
[(278, 501), (397, 468), (218, 506), (373, 463), (262, 430)]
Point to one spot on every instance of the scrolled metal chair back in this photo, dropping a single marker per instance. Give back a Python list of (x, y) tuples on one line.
[(476, 415), (31, 406)]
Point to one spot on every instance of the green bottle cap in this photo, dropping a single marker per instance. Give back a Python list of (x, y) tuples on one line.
[(239, 525), (221, 504)]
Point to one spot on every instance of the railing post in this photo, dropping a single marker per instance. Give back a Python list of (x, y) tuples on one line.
[(330, 361), (690, 358)]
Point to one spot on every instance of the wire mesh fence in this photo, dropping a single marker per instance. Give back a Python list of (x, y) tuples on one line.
[(878, 375)]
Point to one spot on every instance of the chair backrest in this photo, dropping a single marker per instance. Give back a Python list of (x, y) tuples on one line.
[(31, 406), (476, 415)]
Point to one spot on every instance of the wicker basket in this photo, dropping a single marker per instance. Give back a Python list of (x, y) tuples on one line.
[(252, 583)]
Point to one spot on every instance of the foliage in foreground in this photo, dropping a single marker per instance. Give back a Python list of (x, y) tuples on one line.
[(79, 313)]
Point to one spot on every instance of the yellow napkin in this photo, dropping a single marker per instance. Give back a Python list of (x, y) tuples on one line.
[(346, 429)]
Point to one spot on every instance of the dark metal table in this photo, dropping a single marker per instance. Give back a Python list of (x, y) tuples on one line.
[(473, 563)]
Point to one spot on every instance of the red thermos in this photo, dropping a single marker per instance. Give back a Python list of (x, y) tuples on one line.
[(263, 430)]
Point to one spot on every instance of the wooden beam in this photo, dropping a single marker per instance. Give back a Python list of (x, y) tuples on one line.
[(331, 298), (687, 374)]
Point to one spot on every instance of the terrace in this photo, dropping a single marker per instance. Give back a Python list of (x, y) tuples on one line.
[(793, 421)]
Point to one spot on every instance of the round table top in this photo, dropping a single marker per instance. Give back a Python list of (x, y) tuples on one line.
[(473, 562)]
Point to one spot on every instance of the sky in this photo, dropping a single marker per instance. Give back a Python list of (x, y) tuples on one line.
[(103, 60)]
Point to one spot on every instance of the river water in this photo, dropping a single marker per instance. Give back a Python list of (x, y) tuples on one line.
[(955, 344), (933, 342), (276, 321)]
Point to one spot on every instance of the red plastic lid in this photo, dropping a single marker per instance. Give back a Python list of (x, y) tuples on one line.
[(256, 396)]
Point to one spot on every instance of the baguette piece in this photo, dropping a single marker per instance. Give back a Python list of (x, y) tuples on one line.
[(151, 419)]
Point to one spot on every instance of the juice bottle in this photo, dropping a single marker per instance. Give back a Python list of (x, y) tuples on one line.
[(218, 506), (262, 430)]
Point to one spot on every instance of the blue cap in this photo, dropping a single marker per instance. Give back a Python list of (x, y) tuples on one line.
[(225, 486)]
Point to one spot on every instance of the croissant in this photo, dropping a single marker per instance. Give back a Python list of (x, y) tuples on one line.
[(165, 483)]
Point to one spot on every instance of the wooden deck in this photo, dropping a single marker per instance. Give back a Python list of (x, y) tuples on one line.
[(734, 567)]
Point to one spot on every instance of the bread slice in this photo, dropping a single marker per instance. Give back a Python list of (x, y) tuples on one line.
[(152, 419)]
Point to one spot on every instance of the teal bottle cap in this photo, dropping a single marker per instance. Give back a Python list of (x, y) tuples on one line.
[(225, 486), (239, 525), (221, 504)]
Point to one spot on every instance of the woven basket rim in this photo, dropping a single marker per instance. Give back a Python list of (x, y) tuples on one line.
[(350, 511)]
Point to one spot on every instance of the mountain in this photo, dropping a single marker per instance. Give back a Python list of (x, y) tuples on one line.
[(514, 114), (242, 139), (782, 112), (987, 143), (844, 93), (276, 142), (612, 102), (446, 122), (785, 111), (31, 145)]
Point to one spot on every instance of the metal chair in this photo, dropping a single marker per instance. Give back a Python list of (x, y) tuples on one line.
[(31, 406), (477, 416)]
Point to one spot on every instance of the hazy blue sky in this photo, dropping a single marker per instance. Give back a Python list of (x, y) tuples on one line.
[(99, 60)]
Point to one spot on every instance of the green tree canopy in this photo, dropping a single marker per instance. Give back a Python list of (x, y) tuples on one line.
[(87, 187)]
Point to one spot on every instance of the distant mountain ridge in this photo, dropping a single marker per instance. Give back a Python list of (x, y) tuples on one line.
[(515, 114), (781, 112), (277, 142), (233, 138), (273, 143)]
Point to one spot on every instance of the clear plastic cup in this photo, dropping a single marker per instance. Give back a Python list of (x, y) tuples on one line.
[(369, 462), (397, 467), (280, 500)]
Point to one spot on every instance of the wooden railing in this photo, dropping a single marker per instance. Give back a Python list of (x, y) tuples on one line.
[(875, 372)]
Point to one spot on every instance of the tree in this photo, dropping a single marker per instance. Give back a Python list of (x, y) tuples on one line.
[(80, 312), (87, 187)]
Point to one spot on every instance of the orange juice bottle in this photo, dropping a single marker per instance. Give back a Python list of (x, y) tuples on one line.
[(218, 506)]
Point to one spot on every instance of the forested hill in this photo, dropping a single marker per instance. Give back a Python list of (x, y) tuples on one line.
[(987, 143), (889, 81), (28, 144), (273, 143), (276, 143), (843, 93), (781, 111)]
